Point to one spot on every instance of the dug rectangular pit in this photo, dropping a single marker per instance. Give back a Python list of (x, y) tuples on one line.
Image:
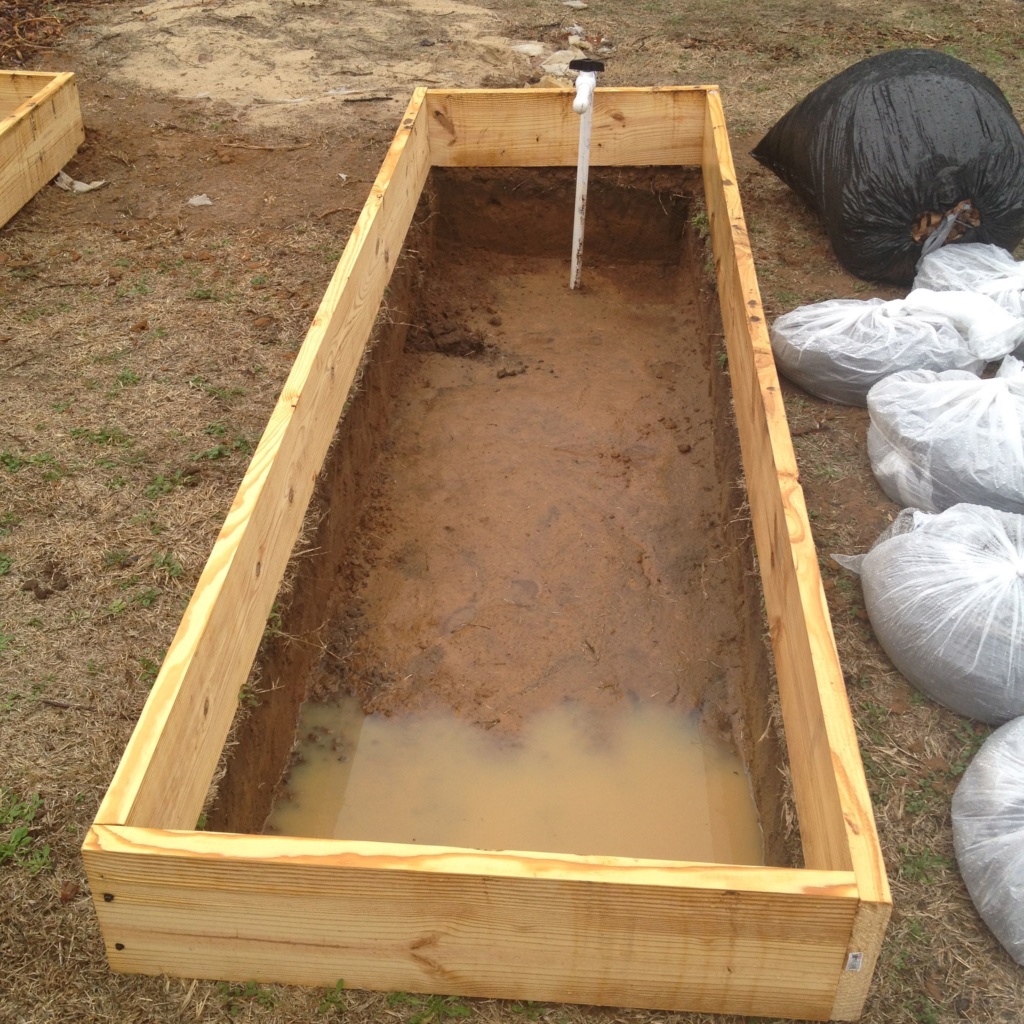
[(531, 506), (547, 579)]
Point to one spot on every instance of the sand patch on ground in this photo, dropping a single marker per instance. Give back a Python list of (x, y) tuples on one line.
[(267, 59)]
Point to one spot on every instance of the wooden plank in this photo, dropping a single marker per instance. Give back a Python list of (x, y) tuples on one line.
[(869, 926), (537, 128), (527, 926), (18, 86), (837, 824), (37, 136), (165, 772)]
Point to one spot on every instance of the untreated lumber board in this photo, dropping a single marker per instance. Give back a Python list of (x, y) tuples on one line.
[(18, 86), (514, 925), (786, 558), (495, 128), (40, 130), (166, 770), (869, 925), (837, 826)]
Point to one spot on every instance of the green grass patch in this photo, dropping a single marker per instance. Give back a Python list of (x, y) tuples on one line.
[(15, 462), (335, 1000), (235, 998), (148, 671), (17, 845), (104, 436), (431, 1009), (146, 598), (972, 736), (118, 558), (167, 563), (165, 483), (223, 394), (224, 450), (149, 520), (924, 866)]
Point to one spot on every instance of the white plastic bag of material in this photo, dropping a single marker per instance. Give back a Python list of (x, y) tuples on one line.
[(974, 267), (990, 331), (988, 834), (937, 439), (945, 596), (840, 348)]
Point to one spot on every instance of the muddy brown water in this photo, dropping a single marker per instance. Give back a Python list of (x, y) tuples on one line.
[(539, 623), (640, 781)]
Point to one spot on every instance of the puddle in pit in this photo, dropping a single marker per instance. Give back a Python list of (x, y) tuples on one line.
[(643, 781)]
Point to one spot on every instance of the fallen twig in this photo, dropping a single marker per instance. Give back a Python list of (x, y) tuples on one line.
[(69, 284), (338, 209), (66, 705), (249, 145), (817, 428), (20, 362), (24, 27)]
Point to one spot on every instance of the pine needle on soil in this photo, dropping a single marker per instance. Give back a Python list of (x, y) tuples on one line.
[(29, 29)]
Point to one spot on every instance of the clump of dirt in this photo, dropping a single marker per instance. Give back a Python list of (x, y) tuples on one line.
[(50, 579), (450, 338)]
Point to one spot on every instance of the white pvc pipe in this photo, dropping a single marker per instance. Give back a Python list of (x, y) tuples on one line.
[(586, 82)]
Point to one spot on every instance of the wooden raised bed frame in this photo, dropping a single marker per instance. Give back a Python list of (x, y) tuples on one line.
[(795, 942), (40, 130)]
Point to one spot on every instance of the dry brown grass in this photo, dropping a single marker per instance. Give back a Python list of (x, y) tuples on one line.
[(139, 359)]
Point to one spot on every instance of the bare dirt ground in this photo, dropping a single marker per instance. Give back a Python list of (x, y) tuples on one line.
[(572, 396), (143, 342)]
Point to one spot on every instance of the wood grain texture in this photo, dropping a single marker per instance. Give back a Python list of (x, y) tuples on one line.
[(869, 927), (527, 926), (510, 128), (40, 131), (166, 769), (18, 86), (837, 825)]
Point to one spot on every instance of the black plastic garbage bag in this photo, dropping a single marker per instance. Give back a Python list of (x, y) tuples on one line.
[(902, 153)]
